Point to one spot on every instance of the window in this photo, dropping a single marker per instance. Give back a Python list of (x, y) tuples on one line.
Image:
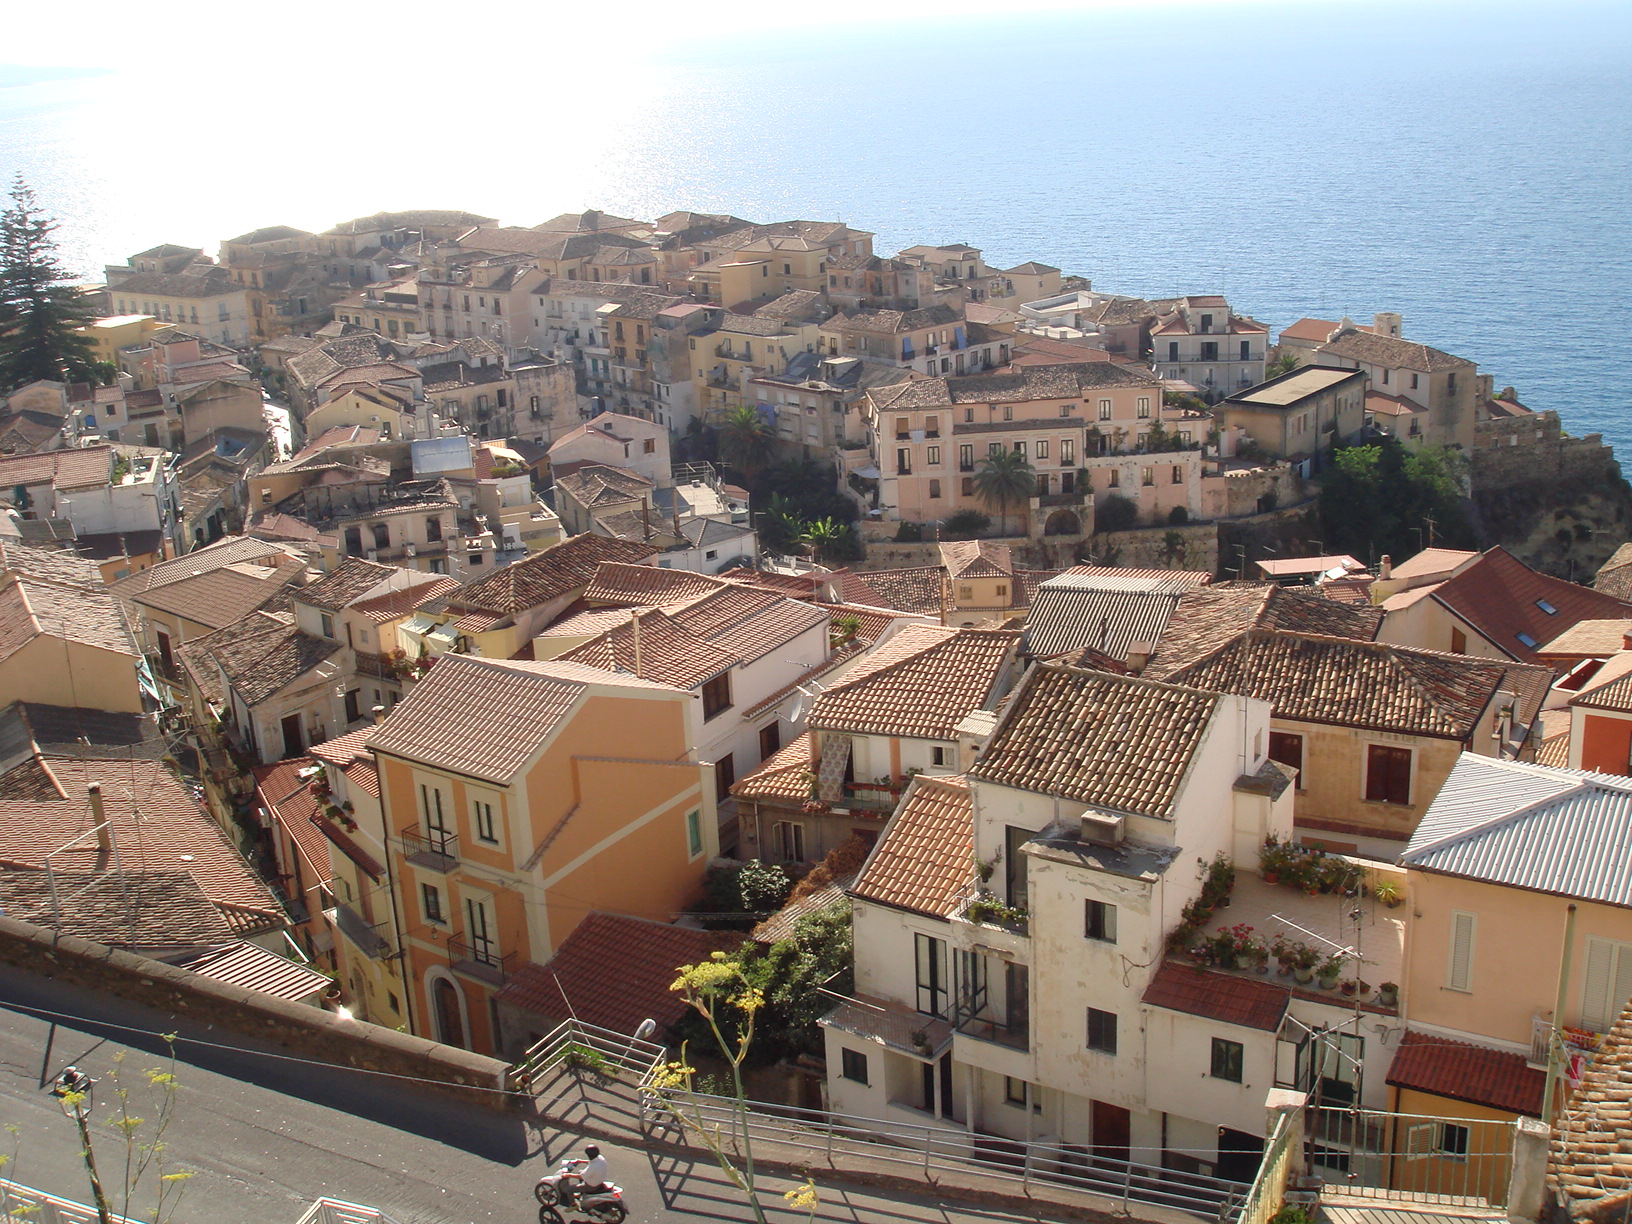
[(902, 427), (1526, 640), (1099, 921), (1042, 448), (1452, 1141), (483, 947), (968, 486), (1020, 449), (327, 623), (1546, 607), (934, 456), (1113, 478), (1288, 750), (1227, 1058), (694, 833), (1068, 451), (1608, 983), (1459, 641), (1178, 473), (1246, 350), (930, 956), (966, 458), (968, 416), (1147, 476), (903, 461), (1104, 410), (1388, 774), (938, 755), (649, 447), (994, 449), (1172, 350), (854, 1064), (790, 840), (430, 897), (1459, 970), (1015, 1092), (1008, 412), (717, 695), (353, 705), (481, 816), (934, 489), (1144, 406), (1101, 1031)]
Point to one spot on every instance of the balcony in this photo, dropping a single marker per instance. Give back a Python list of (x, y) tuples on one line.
[(375, 665), (368, 938), (476, 958), (435, 849), (982, 1028)]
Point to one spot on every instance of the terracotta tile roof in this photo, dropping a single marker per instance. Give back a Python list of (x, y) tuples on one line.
[(785, 775), (351, 580), (839, 659), (60, 565), (222, 553), (350, 754), (598, 485), (1432, 561), (123, 909), (258, 665), (1316, 330), (1369, 348), (1591, 637), (920, 589), (668, 653), (871, 623), (75, 467), (1614, 576), (197, 657), (449, 720), (170, 831), (615, 971), (1610, 688), (1218, 996), (922, 683), (546, 576), (288, 798), (1066, 731), (1554, 750), (30, 609), (592, 622), (1374, 685), (1208, 617), (1021, 385), (924, 862), (976, 559), (800, 586), (748, 623), (1188, 577), (1501, 598), (1460, 1071), (1589, 1158), (650, 585), (394, 605), (216, 598)]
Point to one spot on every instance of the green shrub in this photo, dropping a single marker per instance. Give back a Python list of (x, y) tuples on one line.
[(1113, 512), (909, 533), (966, 524), (1178, 516)]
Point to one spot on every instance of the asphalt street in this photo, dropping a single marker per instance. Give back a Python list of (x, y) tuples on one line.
[(266, 1134)]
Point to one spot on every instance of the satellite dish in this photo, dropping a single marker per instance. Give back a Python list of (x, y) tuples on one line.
[(798, 710)]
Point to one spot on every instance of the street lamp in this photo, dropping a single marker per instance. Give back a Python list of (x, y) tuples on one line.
[(73, 1092)]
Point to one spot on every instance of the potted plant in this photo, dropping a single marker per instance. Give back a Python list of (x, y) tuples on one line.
[(1303, 967), (1272, 859), (1285, 953), (1328, 972), (1348, 986), (1389, 893), (1388, 994), (1197, 913), (920, 1041), (1218, 879)]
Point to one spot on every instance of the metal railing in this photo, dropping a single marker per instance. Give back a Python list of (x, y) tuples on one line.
[(19, 1202), (1373, 1153), (434, 848), (478, 959), (581, 1046), (337, 1211), (1268, 1193), (928, 1150)]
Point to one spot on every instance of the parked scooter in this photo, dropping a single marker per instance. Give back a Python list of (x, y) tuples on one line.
[(564, 1191)]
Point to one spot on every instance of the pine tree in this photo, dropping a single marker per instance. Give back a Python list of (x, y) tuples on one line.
[(39, 310)]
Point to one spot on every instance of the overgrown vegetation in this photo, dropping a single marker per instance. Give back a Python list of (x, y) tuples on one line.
[(744, 892), (1383, 498), (966, 525), (804, 510), (1113, 512)]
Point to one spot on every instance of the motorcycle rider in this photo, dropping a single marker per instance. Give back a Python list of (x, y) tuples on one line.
[(590, 1173)]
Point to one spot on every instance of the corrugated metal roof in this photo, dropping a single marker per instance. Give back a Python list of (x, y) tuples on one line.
[(1530, 826), (1109, 614), (254, 968)]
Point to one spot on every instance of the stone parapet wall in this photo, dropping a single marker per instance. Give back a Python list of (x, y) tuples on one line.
[(1531, 449)]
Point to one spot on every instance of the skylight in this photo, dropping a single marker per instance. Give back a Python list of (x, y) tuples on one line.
[(1527, 640), (1546, 607)]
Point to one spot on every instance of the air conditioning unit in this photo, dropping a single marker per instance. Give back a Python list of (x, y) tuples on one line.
[(1103, 829)]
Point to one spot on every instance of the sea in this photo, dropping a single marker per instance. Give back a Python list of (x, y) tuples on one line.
[(1467, 165)]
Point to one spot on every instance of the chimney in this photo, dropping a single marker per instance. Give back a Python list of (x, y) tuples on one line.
[(1626, 640), (99, 818), (379, 714), (1139, 656), (634, 631), (1386, 568)]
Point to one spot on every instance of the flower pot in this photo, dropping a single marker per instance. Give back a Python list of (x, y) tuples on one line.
[(1328, 983), (1349, 989), (1285, 968), (1388, 998), (1244, 963), (1303, 976), (1272, 877)]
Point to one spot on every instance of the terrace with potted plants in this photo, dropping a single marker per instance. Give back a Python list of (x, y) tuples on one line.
[(1313, 922)]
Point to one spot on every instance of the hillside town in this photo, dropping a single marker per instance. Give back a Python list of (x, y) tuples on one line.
[(429, 635)]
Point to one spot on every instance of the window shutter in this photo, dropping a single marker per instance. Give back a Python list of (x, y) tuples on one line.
[(1419, 1141), (1608, 983), (1460, 975)]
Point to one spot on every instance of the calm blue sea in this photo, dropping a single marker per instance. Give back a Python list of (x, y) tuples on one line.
[(1467, 165)]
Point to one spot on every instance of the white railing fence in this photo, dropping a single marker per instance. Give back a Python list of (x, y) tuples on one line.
[(20, 1204), (336, 1211)]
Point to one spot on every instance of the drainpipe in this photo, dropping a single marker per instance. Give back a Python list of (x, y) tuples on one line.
[(1547, 1110)]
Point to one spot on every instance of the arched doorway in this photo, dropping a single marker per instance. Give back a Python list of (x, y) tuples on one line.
[(449, 1010), (1063, 522)]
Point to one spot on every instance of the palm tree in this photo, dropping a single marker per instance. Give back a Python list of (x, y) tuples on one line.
[(1005, 476), (747, 441), (823, 534)]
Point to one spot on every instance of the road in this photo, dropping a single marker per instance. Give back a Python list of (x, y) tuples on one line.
[(267, 1134)]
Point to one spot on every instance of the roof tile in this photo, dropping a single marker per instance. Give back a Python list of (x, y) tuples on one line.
[(1460, 1071)]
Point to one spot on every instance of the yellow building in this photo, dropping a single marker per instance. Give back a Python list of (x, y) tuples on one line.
[(108, 336), (501, 844), (62, 640), (1518, 901)]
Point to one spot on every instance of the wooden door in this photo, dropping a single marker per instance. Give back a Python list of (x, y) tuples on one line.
[(1112, 1129)]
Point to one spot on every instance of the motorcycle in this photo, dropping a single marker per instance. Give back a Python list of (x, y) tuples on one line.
[(565, 1190)]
